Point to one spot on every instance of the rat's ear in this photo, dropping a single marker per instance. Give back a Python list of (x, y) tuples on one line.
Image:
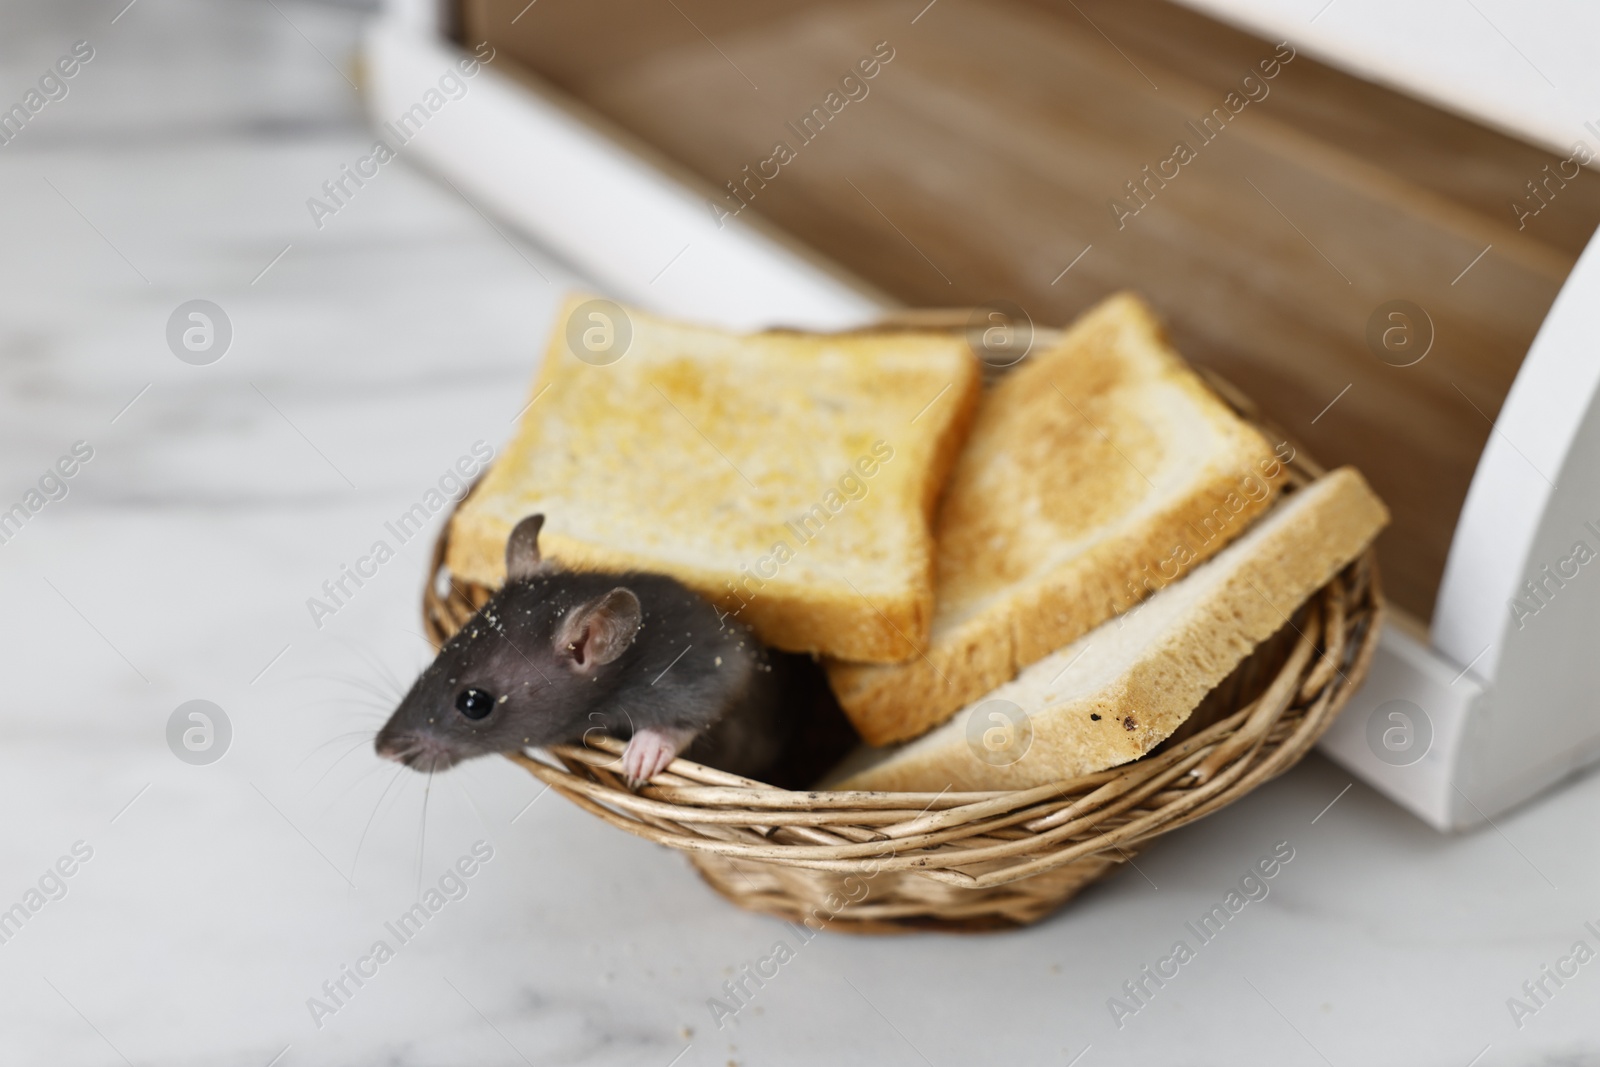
[(522, 549), (600, 630)]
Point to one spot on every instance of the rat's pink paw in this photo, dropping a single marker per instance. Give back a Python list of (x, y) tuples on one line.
[(647, 755)]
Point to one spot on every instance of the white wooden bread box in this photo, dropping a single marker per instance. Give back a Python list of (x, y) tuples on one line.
[(603, 136)]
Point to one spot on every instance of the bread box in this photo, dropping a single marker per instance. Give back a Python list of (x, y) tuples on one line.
[(1399, 285)]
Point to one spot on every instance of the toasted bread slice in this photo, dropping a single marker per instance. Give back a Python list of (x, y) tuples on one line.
[(789, 477), (1116, 693), (1099, 470)]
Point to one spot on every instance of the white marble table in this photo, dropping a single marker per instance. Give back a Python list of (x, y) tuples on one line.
[(216, 900)]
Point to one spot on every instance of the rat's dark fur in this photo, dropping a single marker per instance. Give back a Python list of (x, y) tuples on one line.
[(687, 668)]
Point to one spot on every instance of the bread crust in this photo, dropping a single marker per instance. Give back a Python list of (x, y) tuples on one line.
[(1119, 355), (1324, 527), (598, 428)]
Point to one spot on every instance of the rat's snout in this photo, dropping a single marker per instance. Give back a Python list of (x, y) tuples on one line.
[(421, 750), (391, 746)]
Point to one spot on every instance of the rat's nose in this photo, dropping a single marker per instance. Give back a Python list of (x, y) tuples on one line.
[(416, 749), (397, 747)]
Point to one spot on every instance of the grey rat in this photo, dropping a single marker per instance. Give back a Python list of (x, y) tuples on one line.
[(555, 655)]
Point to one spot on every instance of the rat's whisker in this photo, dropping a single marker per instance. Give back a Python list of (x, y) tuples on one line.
[(366, 739), (365, 685), (359, 708), (362, 777), (395, 777), (385, 675), (335, 739), (422, 834), (461, 784)]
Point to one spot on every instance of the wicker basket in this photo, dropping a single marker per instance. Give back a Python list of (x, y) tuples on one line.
[(867, 862), (885, 862)]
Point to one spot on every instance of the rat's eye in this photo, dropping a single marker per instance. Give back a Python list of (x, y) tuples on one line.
[(475, 703)]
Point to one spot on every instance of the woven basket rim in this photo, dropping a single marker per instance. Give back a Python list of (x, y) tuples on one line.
[(685, 807)]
